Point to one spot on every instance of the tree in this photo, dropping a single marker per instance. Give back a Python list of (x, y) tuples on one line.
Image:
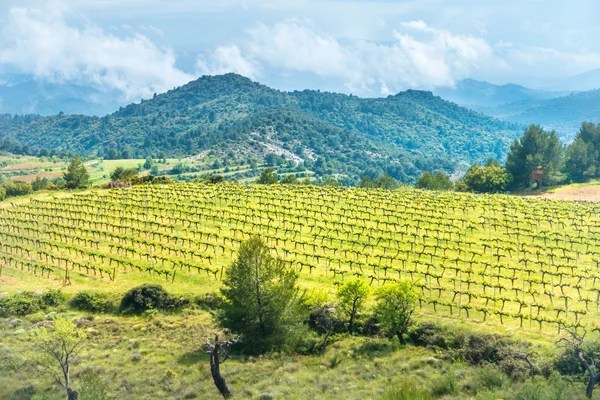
[(581, 161), (289, 180), (537, 157), (386, 182), (148, 163), (491, 178), (352, 296), (395, 304), (219, 351), (2, 193), (261, 297), (76, 175), (57, 347), (331, 182), (267, 177), (438, 181), (585, 354), (121, 174)]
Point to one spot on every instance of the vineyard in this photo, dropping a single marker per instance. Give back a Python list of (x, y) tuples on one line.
[(525, 263)]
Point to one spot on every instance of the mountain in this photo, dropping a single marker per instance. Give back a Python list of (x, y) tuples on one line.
[(333, 134), (483, 95), (563, 114), (21, 94)]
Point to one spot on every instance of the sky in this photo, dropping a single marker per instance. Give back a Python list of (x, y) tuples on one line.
[(364, 47)]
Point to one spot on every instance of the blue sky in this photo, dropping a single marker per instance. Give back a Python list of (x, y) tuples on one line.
[(368, 47)]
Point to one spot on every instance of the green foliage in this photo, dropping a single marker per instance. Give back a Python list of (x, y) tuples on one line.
[(76, 175), (535, 159), (384, 182), (438, 181), (213, 179), (401, 135), (92, 302), (261, 298), (488, 377), (16, 188), (40, 184), (121, 174), (267, 177), (148, 163), (352, 296), (20, 304), (491, 178), (2, 193), (146, 297), (406, 390), (290, 179), (583, 155), (446, 384), (395, 304)]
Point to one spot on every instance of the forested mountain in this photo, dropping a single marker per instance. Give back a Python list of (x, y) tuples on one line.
[(563, 114), (402, 135)]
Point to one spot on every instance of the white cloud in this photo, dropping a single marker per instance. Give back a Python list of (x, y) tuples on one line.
[(41, 42), (420, 56), (227, 59)]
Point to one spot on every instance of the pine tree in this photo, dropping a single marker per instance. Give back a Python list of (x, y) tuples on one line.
[(76, 175)]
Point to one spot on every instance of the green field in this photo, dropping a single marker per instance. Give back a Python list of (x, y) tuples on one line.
[(516, 263), (498, 264)]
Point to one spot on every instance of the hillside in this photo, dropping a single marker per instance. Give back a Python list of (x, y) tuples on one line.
[(564, 114), (331, 133)]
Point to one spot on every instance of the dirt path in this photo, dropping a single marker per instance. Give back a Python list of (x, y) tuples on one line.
[(588, 193)]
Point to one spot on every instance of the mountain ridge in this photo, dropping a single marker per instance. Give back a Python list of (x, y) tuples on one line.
[(336, 134)]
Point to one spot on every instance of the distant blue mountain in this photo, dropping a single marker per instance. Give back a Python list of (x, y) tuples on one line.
[(480, 95), (22, 94)]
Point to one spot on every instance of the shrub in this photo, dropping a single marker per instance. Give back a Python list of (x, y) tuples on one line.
[(146, 297), (20, 304), (92, 302), (488, 377), (53, 298), (406, 391), (445, 385)]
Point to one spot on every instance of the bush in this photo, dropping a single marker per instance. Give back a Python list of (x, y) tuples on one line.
[(20, 304), (146, 297), (406, 391), (92, 302), (17, 188), (488, 377), (53, 298), (445, 385)]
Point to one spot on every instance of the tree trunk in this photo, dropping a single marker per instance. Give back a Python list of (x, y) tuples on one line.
[(215, 364), (72, 394), (590, 386), (401, 338)]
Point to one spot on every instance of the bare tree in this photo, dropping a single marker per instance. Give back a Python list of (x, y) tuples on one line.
[(219, 351), (588, 362)]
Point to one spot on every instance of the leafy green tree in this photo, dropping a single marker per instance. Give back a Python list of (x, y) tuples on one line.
[(2, 193), (331, 182), (581, 161), (121, 174), (537, 157), (268, 177), (491, 178), (438, 181), (395, 305), (57, 348), (261, 298), (352, 296), (17, 188), (386, 182), (148, 163), (39, 184), (76, 175), (366, 182), (289, 180)]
